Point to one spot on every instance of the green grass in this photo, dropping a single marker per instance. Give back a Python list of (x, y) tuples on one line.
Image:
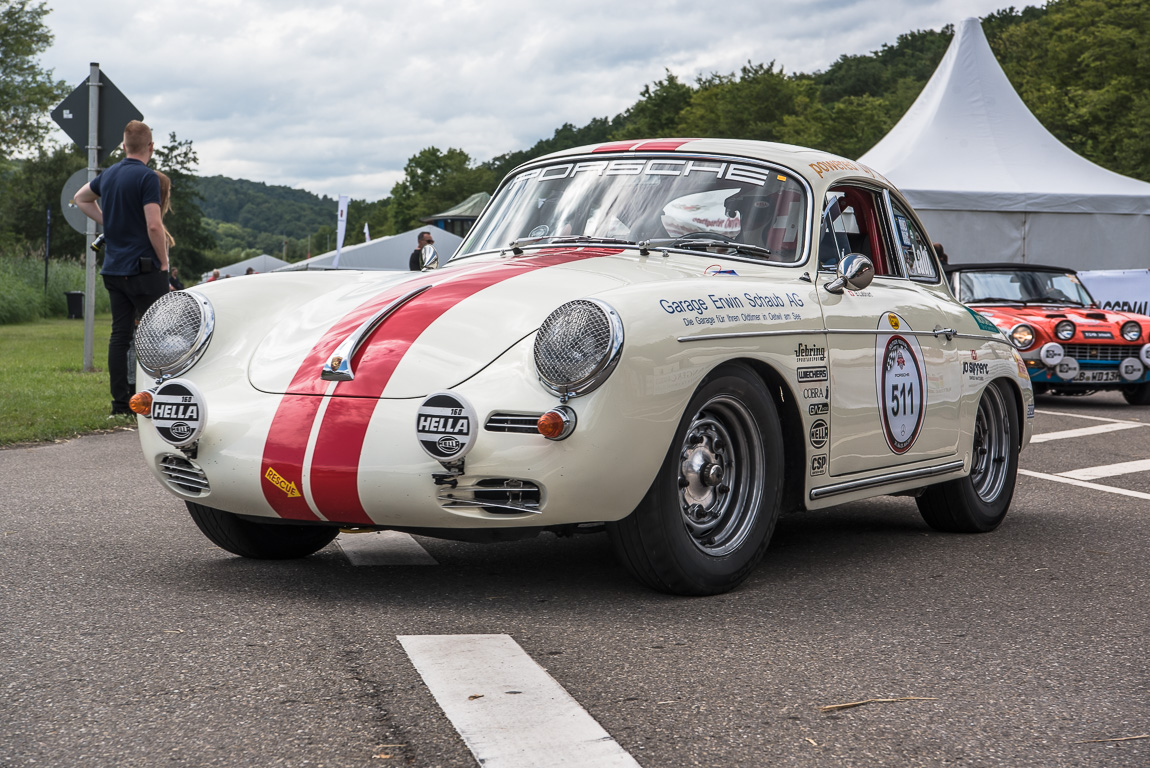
[(44, 392)]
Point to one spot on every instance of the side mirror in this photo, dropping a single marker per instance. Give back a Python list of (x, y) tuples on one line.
[(428, 258), (855, 272)]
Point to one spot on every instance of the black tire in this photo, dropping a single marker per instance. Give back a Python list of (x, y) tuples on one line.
[(978, 502), (1137, 394), (262, 541), (701, 530)]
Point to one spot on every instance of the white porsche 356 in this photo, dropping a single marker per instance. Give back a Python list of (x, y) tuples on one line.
[(676, 340)]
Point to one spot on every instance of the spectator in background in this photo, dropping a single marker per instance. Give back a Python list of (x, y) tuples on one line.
[(251, 271), (415, 263), (174, 282), (942, 257), (135, 268), (215, 276)]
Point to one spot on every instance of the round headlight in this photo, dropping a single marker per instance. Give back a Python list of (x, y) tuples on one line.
[(1131, 331), (1022, 336), (174, 333), (1064, 330), (578, 346)]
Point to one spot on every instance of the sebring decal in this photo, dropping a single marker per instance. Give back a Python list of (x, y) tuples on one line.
[(900, 376), (322, 460)]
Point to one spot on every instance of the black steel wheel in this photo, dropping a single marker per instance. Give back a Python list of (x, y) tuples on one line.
[(708, 516), (262, 541), (978, 502)]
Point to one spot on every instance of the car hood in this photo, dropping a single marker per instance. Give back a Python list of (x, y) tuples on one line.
[(444, 327), (1087, 320)]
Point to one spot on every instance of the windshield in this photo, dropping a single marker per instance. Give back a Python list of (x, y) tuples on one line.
[(668, 201), (1022, 287)]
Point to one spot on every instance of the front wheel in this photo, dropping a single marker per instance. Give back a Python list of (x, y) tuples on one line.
[(262, 541), (978, 502), (1137, 394), (708, 516)]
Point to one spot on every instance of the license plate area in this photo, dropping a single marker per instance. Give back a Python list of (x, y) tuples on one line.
[(1096, 377)]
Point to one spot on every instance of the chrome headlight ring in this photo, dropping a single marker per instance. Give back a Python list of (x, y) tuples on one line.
[(577, 347), (1021, 336), (174, 333), (1131, 331), (1064, 330)]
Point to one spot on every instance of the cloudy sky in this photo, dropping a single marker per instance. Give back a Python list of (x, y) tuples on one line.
[(334, 98)]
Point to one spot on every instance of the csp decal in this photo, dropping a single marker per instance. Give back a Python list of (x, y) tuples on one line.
[(900, 377)]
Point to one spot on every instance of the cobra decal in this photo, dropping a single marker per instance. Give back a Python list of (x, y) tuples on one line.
[(337, 442)]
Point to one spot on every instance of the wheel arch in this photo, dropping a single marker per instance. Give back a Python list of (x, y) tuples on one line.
[(787, 407), (1014, 391)]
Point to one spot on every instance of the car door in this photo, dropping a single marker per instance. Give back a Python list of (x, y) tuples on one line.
[(893, 383)]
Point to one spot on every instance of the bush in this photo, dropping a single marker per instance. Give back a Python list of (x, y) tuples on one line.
[(23, 295)]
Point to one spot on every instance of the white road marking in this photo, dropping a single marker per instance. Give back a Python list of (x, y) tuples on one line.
[(509, 711), (1085, 431), (1108, 470), (1092, 418), (383, 548), (1084, 484)]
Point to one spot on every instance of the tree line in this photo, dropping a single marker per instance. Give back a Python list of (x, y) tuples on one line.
[(1080, 66)]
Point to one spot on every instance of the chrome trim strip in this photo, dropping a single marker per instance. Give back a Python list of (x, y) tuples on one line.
[(893, 477), (338, 366), (854, 332)]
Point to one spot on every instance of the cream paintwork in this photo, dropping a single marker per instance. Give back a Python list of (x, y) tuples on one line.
[(482, 349)]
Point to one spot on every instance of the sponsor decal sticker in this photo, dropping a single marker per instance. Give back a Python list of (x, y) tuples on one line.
[(806, 353), (717, 269), (982, 322), (900, 376), (819, 433), (178, 412), (284, 485), (819, 464), (809, 374), (976, 371), (818, 409), (1097, 335), (446, 426), (816, 393)]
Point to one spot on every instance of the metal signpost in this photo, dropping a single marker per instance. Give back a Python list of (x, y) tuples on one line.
[(108, 111)]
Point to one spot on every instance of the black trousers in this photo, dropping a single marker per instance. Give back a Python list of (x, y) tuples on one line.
[(130, 297)]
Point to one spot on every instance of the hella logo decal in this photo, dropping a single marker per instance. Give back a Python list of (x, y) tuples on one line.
[(446, 426)]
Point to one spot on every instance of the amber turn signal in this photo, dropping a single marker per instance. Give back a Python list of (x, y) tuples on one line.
[(141, 403), (557, 423)]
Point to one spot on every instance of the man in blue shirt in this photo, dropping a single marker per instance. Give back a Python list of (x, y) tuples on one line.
[(135, 267)]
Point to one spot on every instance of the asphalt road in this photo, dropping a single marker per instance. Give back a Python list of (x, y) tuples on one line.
[(127, 639)]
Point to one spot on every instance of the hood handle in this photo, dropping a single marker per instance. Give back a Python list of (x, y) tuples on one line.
[(338, 366)]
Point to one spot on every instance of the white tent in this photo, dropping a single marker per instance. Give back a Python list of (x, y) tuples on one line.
[(385, 253), (992, 184), (261, 263)]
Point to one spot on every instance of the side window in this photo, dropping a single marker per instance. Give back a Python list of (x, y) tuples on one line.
[(916, 249), (853, 223)]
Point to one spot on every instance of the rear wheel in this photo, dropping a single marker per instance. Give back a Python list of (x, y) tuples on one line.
[(978, 502), (263, 541), (1137, 394), (708, 516)]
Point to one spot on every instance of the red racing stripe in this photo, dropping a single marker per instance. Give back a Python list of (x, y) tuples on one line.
[(343, 430), (665, 145), (617, 146)]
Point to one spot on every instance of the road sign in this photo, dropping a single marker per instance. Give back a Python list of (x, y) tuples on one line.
[(73, 215), (115, 112)]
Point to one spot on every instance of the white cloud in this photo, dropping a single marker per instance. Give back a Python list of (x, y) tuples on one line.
[(336, 98)]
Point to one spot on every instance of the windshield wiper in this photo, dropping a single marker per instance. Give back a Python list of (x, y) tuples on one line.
[(981, 299), (516, 245), (1056, 300), (707, 240)]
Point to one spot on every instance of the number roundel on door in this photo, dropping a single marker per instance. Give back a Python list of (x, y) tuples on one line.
[(900, 377)]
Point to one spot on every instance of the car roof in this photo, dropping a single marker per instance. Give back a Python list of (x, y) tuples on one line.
[(1005, 266), (815, 164)]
